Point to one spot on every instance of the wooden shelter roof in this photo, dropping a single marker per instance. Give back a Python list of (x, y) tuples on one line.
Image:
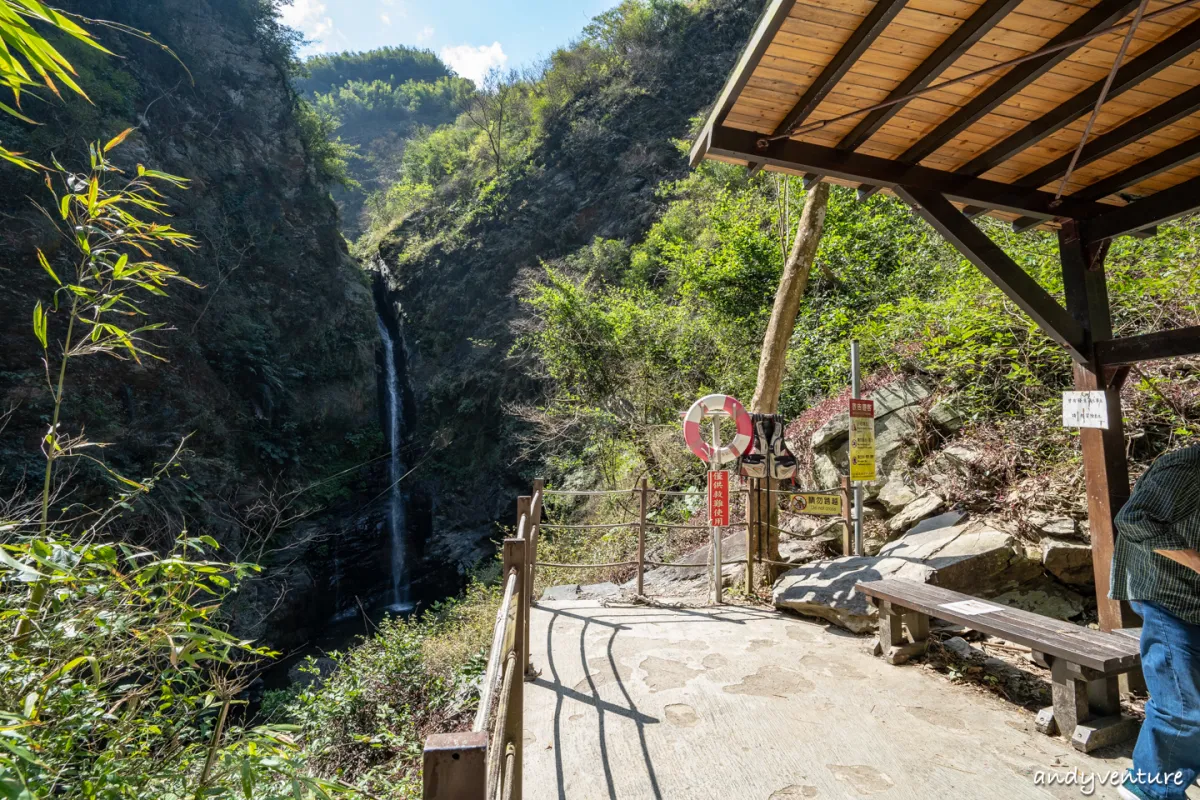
[(1001, 140)]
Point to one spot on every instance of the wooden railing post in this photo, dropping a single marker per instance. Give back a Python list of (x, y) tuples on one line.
[(454, 766), (848, 526), (516, 552), (535, 532), (524, 509), (641, 547)]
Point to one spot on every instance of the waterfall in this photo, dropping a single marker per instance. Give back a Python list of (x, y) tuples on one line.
[(395, 421)]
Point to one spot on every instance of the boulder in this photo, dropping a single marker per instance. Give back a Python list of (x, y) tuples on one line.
[(1055, 527), (825, 472), (599, 591), (898, 394), (947, 415), (924, 506), (831, 433), (973, 559), (894, 495), (947, 520), (1047, 599), (1070, 562), (568, 591), (825, 589), (959, 459)]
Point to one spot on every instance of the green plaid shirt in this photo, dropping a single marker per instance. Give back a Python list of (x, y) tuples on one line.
[(1162, 514)]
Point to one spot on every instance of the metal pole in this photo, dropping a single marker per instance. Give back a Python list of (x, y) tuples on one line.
[(714, 466), (641, 544), (855, 391)]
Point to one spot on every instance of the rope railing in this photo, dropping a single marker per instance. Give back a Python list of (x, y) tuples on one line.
[(612, 565), (591, 493), (555, 526), (496, 743)]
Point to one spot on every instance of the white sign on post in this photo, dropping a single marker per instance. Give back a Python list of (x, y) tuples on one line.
[(1085, 410)]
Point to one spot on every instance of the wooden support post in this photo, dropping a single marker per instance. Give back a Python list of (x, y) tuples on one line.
[(753, 545), (641, 545), (771, 518), (454, 766), (516, 552), (1105, 465), (847, 519)]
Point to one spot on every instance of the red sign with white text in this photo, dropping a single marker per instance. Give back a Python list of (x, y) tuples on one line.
[(718, 498)]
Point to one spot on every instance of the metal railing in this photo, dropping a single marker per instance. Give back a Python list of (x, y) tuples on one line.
[(485, 763)]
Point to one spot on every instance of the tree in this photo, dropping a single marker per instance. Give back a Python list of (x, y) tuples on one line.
[(490, 109), (792, 285)]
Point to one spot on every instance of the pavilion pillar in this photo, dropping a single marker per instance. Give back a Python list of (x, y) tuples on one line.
[(1105, 466)]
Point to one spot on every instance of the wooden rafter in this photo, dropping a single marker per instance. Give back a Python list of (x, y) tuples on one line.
[(949, 51), (1157, 208), (1149, 347), (1102, 15), (1160, 56)]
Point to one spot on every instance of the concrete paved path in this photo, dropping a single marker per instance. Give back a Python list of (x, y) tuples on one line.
[(694, 703)]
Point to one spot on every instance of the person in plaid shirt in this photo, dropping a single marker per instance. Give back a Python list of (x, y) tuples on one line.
[(1156, 567)]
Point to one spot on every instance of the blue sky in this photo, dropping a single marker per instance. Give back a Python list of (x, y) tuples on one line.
[(472, 36)]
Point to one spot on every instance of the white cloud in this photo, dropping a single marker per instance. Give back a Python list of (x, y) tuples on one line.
[(308, 17), (385, 19), (425, 35), (474, 62)]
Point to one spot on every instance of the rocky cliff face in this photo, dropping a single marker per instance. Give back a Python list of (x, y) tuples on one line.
[(595, 174), (271, 364)]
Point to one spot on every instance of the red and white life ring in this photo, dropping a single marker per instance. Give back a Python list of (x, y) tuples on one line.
[(742, 442)]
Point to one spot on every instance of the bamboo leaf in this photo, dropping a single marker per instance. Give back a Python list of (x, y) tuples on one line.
[(46, 266), (116, 140), (39, 325)]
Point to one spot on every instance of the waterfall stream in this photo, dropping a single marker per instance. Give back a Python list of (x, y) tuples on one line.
[(396, 512)]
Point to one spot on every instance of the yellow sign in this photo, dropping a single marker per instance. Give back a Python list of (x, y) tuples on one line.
[(862, 440), (825, 505)]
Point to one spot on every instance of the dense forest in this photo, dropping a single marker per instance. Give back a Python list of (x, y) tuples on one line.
[(558, 284)]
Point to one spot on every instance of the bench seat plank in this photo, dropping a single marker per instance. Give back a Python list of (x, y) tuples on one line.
[(1106, 653)]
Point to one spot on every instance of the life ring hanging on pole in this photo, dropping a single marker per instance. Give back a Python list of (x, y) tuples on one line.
[(742, 442)]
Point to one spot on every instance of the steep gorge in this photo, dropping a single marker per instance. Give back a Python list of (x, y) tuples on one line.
[(270, 366), (454, 268)]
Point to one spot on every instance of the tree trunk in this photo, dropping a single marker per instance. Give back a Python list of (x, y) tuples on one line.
[(792, 284), (771, 365)]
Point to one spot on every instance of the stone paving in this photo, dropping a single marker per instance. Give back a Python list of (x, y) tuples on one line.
[(733, 702)]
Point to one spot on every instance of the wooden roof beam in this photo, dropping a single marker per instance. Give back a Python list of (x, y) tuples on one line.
[(957, 43), (993, 262), (1157, 58), (805, 157), (861, 39), (769, 23), (1156, 164), (1149, 347), (1154, 120), (1100, 16), (1157, 208)]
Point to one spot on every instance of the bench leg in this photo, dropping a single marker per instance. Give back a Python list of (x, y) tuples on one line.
[(891, 644), (1087, 708)]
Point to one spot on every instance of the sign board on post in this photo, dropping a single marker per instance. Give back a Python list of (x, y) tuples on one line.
[(825, 505), (718, 498), (1085, 410), (862, 440)]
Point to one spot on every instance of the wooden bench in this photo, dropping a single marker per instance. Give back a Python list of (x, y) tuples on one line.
[(1084, 664)]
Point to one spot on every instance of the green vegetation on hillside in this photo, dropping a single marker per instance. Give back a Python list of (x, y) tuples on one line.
[(368, 106)]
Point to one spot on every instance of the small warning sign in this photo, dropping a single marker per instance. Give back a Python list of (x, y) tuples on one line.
[(825, 505), (718, 498), (862, 440), (1085, 410)]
